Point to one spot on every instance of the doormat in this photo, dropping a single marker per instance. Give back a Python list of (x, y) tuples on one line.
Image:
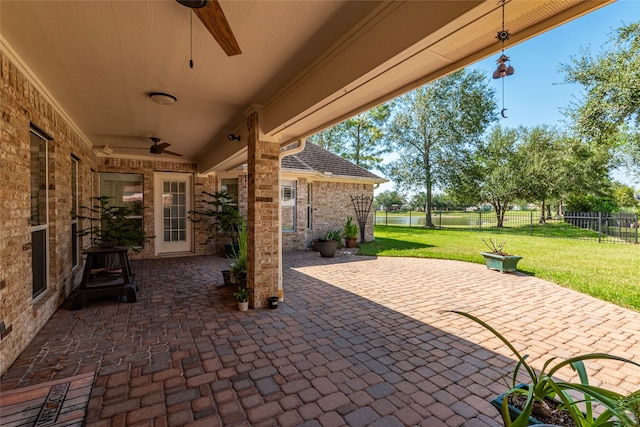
[(61, 402)]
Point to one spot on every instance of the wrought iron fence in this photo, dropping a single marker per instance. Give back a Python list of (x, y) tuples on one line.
[(601, 227)]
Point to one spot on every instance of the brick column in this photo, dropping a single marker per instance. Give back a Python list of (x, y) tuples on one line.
[(262, 214)]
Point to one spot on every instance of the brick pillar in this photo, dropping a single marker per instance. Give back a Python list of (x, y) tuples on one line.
[(262, 214)]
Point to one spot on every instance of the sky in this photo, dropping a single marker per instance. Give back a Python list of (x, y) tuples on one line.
[(535, 94)]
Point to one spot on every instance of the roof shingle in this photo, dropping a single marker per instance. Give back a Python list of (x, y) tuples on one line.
[(316, 159)]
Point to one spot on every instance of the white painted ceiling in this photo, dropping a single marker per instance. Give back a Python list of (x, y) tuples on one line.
[(306, 64)]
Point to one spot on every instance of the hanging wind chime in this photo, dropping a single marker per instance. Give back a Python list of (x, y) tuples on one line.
[(504, 62)]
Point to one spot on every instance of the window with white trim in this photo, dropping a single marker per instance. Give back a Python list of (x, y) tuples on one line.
[(288, 205)]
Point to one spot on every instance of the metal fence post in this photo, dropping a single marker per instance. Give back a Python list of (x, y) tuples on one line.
[(530, 223), (599, 227), (386, 217), (637, 225), (619, 226), (480, 220), (440, 219), (409, 217)]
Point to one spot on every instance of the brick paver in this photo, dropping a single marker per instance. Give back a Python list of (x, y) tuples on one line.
[(359, 341)]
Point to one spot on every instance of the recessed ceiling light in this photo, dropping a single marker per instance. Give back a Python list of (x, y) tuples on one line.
[(163, 98)]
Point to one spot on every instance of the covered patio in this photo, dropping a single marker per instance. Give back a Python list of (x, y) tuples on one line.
[(358, 341), (142, 102)]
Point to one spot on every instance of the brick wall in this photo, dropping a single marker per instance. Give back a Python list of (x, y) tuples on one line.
[(332, 206), (146, 168), (20, 106)]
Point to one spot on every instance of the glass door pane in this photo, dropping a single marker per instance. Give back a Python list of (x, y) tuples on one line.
[(174, 212)]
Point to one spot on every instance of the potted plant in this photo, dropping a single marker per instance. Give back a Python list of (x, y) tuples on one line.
[(238, 268), (112, 225), (221, 217), (498, 259), (328, 243), (629, 407), (242, 296), (546, 400), (350, 233)]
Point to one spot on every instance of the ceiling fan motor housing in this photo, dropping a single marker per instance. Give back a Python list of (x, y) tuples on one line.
[(193, 4)]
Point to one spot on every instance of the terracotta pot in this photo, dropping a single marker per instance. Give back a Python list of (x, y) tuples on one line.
[(350, 242)]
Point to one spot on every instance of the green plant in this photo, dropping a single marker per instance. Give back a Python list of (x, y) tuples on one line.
[(543, 385), (495, 247), (350, 229), (238, 268), (220, 215), (242, 294), (332, 235), (629, 410), (112, 224)]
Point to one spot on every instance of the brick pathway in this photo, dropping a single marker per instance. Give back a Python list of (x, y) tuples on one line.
[(359, 341)]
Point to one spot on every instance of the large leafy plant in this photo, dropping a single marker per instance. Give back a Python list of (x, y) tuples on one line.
[(238, 267), (543, 385), (109, 224), (332, 235), (220, 214)]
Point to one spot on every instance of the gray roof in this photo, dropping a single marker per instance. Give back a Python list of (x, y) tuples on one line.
[(316, 159)]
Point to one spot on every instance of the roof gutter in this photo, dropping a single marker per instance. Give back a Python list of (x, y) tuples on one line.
[(300, 144)]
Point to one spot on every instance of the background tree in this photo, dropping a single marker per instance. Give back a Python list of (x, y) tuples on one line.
[(359, 139), (491, 175), (544, 168), (441, 201), (331, 139), (364, 144), (624, 195), (434, 126), (388, 199), (608, 115)]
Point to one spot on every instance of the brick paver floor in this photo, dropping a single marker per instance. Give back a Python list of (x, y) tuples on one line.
[(359, 341)]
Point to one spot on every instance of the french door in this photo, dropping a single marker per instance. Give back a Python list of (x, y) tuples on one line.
[(173, 196)]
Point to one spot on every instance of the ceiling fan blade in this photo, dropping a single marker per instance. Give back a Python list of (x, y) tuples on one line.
[(214, 20), (162, 146), (172, 153)]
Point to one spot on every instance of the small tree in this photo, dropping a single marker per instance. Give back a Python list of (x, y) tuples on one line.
[(388, 199), (491, 175), (434, 127), (111, 225), (220, 215)]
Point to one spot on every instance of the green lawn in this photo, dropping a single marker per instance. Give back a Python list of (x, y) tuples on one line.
[(604, 270)]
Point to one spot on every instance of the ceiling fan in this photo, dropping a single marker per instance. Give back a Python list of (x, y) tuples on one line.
[(212, 16), (160, 148), (154, 149)]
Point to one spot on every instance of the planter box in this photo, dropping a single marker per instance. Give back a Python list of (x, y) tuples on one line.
[(513, 411), (501, 263)]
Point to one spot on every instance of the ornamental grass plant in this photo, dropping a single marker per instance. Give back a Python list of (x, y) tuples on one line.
[(545, 385)]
